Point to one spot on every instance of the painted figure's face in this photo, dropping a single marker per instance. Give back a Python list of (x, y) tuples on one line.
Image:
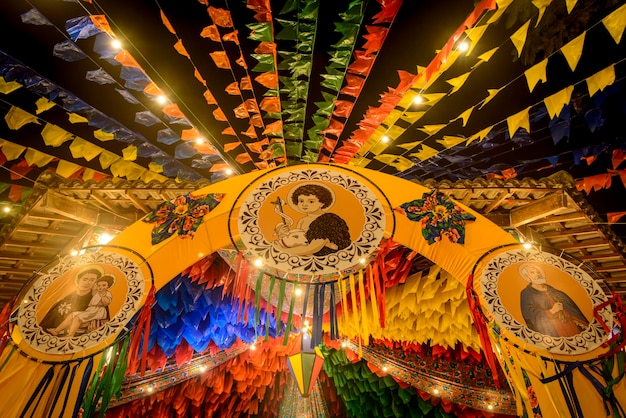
[(309, 203), (295, 238), (102, 286), (86, 282), (535, 275)]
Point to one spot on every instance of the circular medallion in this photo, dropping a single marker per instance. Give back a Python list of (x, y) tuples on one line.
[(310, 223), (544, 301), (80, 303)]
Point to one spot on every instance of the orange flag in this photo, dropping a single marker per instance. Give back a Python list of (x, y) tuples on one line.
[(233, 89), (269, 80), (219, 115), (220, 59), (173, 110), (271, 104), (231, 146), (210, 99), (167, 23), (127, 60), (221, 17), (211, 32), (229, 131), (243, 158), (614, 216)]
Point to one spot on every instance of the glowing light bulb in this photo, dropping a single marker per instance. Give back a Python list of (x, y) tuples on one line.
[(6, 209), (384, 139), (199, 141), (228, 171), (463, 46), (344, 344), (490, 407), (105, 238), (116, 44), (527, 245), (436, 391), (74, 253), (298, 291), (418, 99), (258, 262), (385, 368), (161, 99)]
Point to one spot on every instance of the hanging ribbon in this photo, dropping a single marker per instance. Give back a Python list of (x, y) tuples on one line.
[(141, 328), (332, 313), (481, 328), (37, 394), (5, 314)]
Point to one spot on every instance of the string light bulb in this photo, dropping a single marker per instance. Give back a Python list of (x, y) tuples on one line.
[(115, 43)]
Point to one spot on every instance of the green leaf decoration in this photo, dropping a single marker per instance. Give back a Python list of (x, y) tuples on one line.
[(261, 31)]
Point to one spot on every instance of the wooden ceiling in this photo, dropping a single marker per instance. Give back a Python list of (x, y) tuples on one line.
[(63, 215)]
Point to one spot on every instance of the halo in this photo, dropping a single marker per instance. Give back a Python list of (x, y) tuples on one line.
[(306, 183), (112, 276), (88, 267)]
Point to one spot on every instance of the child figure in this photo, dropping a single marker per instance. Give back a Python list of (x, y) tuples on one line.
[(97, 309)]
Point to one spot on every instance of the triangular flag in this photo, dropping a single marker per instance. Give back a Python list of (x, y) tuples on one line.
[(480, 135), (518, 120), (84, 149), (425, 153), (432, 129), (600, 80), (449, 141), (615, 22), (457, 82), (66, 168), (103, 136), (556, 102), (7, 87), (542, 5), (491, 93), (10, 150), (130, 153), (502, 5), (573, 50), (519, 37), (43, 104), (475, 34), (464, 116), (54, 136), (107, 158), (16, 118), (486, 56), (38, 158), (535, 74), (396, 161), (570, 5), (76, 118), (614, 216)]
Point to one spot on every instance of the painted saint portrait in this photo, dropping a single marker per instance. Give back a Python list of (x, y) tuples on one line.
[(85, 308), (318, 231), (546, 309)]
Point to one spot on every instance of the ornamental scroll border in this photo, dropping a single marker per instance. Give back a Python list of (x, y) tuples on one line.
[(320, 267), (46, 343), (592, 337)]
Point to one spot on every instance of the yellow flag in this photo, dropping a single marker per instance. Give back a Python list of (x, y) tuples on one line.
[(7, 87), (38, 158), (128, 169), (601, 79), (449, 141), (43, 104), (84, 149), (432, 129), (66, 168), (103, 136), (11, 150), (107, 158), (491, 93), (130, 153), (155, 168), (425, 153), (486, 56), (54, 136), (149, 176), (16, 118), (412, 117), (518, 120), (430, 99), (464, 116), (573, 50), (480, 135), (535, 74), (542, 5), (502, 5), (615, 22), (554, 103), (475, 34), (457, 82), (570, 5), (74, 118), (519, 37), (396, 161)]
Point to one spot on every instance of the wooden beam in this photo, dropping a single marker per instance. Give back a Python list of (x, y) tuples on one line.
[(138, 203), (568, 232), (575, 216), (583, 244), (542, 208), (497, 201), (44, 231), (63, 205)]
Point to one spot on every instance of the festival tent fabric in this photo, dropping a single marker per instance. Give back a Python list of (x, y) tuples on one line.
[(252, 85)]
